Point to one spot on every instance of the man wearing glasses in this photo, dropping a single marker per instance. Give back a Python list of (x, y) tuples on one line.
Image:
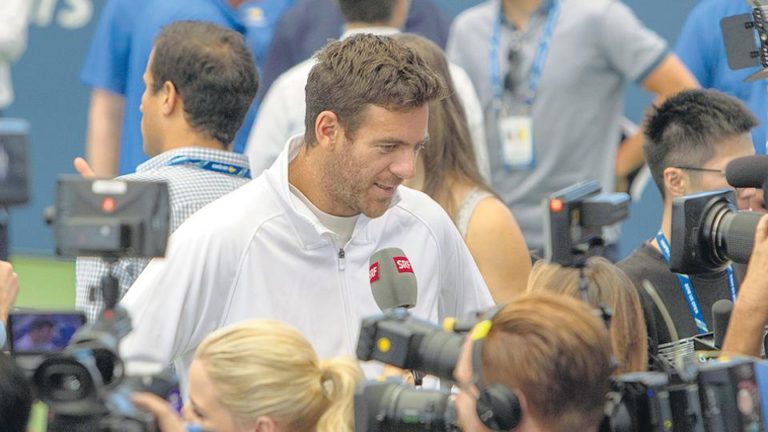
[(689, 140)]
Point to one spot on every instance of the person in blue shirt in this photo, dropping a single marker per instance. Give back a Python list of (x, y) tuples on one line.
[(320, 20), (701, 47), (118, 56)]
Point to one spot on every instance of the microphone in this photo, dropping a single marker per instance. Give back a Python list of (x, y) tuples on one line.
[(393, 282), (721, 315), (747, 172)]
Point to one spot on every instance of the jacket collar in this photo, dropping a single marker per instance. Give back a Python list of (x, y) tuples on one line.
[(308, 228)]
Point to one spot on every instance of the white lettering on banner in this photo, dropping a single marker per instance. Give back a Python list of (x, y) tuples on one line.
[(71, 15)]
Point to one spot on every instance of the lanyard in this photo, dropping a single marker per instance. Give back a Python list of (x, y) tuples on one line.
[(538, 59), (219, 167), (687, 286)]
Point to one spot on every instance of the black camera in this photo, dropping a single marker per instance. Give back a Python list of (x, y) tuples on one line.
[(86, 386), (390, 406), (398, 339), (575, 217), (708, 232)]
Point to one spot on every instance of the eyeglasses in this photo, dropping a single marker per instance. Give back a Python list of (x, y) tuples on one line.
[(719, 171)]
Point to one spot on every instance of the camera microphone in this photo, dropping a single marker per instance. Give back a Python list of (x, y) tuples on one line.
[(747, 172), (393, 282), (721, 315)]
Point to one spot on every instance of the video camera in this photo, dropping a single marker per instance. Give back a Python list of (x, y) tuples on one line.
[(710, 397), (86, 386), (575, 217), (708, 232)]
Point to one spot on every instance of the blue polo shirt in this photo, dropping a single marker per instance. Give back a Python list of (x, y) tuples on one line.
[(700, 46), (120, 51)]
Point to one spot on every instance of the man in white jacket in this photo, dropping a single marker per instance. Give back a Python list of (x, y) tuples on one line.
[(295, 243)]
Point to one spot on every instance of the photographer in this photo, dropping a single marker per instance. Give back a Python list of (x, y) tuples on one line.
[(606, 285), (544, 365), (750, 311), (262, 375), (688, 142)]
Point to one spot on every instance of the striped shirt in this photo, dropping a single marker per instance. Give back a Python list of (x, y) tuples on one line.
[(192, 184)]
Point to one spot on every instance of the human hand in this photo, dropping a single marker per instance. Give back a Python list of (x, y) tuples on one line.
[(9, 288), (82, 167), (167, 419)]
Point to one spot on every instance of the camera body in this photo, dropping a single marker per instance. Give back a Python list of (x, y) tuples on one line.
[(708, 232), (574, 221)]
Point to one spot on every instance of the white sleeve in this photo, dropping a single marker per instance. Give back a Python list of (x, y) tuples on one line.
[(14, 18), (278, 119), (179, 299), (473, 111), (463, 289)]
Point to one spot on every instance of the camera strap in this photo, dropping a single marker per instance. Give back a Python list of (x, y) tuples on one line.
[(539, 58), (687, 286), (208, 165)]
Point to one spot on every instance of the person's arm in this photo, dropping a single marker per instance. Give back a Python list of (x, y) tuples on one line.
[(9, 289), (105, 118), (166, 418), (668, 78), (14, 16), (499, 249), (750, 312)]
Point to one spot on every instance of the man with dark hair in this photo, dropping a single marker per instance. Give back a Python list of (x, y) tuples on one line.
[(688, 142), (15, 397), (295, 243), (281, 112), (199, 84), (541, 363)]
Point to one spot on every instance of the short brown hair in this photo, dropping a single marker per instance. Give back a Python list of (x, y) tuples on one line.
[(213, 71), (363, 70), (606, 285), (557, 354)]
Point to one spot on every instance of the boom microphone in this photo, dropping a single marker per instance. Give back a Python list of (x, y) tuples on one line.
[(747, 172), (393, 282)]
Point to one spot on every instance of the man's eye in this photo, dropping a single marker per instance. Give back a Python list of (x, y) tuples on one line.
[(387, 148)]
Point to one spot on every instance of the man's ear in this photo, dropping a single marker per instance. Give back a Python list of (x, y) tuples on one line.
[(328, 130), (170, 98), (676, 181)]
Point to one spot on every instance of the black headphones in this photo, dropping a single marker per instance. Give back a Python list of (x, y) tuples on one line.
[(498, 408)]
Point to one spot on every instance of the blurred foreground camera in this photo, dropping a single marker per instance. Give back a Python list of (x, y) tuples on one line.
[(575, 217), (389, 406), (708, 232)]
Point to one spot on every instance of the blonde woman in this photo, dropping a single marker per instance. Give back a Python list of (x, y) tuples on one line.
[(262, 376), (606, 285), (447, 171)]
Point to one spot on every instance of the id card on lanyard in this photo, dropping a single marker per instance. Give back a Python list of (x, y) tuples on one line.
[(687, 286), (515, 130), (219, 167)]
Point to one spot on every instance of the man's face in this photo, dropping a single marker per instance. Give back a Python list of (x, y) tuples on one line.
[(362, 174), (727, 150), (466, 400), (150, 112)]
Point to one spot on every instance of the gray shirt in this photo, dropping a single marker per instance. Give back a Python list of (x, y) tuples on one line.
[(596, 47)]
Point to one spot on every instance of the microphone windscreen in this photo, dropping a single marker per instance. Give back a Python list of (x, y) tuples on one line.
[(393, 282), (721, 315), (747, 172)]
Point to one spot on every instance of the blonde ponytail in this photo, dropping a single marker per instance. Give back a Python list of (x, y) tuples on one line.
[(267, 368), (339, 378)]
